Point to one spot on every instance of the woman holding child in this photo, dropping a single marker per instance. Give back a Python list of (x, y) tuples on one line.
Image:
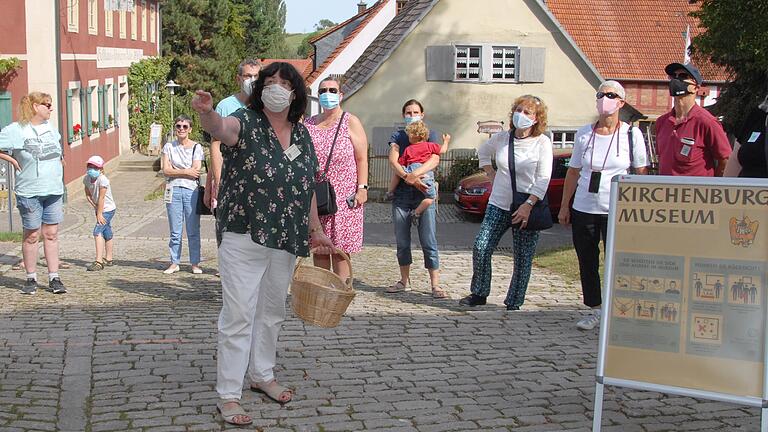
[(533, 169), (342, 147), (407, 196)]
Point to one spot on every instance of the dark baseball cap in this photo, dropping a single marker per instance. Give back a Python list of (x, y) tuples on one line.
[(690, 68)]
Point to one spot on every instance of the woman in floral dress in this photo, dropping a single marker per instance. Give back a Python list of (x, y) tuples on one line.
[(347, 172), (266, 217)]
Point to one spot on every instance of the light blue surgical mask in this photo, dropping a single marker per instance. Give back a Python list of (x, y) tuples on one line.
[(521, 121), (93, 173), (329, 100), (409, 120)]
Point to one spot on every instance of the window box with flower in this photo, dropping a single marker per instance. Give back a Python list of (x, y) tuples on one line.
[(76, 132), (110, 121), (94, 127)]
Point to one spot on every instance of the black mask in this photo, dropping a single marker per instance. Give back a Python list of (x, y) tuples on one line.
[(678, 87)]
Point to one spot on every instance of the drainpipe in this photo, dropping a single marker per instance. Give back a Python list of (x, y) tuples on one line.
[(61, 107)]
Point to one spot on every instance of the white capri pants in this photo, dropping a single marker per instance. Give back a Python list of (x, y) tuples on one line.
[(254, 282)]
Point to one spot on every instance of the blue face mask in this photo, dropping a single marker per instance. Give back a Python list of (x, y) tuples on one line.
[(329, 100), (93, 173), (409, 120)]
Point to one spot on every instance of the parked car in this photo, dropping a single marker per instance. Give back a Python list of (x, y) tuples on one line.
[(473, 191)]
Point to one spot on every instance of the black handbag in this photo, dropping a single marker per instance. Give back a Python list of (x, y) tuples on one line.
[(201, 209), (540, 217), (324, 193)]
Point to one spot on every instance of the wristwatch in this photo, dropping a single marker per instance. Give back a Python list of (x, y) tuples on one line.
[(530, 202), (362, 186)]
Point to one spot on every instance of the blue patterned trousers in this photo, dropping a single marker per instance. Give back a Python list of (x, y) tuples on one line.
[(495, 224)]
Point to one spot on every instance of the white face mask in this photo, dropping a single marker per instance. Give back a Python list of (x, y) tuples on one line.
[(276, 98), (521, 121), (247, 86)]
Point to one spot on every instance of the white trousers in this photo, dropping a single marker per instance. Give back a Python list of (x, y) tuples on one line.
[(254, 282)]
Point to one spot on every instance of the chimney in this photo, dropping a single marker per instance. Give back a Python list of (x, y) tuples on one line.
[(361, 7)]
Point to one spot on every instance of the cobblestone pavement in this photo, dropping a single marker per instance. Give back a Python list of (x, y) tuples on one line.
[(131, 349)]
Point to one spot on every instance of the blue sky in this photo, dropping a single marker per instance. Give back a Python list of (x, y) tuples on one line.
[(302, 15)]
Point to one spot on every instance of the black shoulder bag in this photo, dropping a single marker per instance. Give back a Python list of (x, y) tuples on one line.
[(201, 209), (540, 217), (324, 193)]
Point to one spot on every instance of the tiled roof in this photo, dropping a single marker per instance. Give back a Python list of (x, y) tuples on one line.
[(386, 43), (631, 39), (304, 66), (367, 15)]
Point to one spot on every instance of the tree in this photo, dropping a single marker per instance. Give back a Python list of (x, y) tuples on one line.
[(324, 24), (305, 48), (735, 37), (265, 28)]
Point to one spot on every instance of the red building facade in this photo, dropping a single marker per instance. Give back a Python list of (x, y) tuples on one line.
[(79, 52)]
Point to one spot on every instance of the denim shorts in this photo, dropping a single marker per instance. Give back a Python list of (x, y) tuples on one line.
[(429, 179), (36, 211), (106, 229)]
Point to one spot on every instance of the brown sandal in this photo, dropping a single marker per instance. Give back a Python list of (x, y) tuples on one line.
[(274, 391), (399, 286), (439, 293)]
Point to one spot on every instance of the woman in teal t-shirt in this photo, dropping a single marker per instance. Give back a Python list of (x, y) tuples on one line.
[(33, 146)]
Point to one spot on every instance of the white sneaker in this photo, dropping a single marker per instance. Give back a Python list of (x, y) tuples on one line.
[(590, 321)]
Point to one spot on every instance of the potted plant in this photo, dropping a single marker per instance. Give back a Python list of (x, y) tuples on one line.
[(76, 130), (111, 121), (94, 126)]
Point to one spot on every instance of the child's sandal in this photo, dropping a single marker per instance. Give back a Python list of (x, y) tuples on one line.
[(95, 266)]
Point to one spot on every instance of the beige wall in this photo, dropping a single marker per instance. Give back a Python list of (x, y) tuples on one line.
[(41, 51), (568, 89)]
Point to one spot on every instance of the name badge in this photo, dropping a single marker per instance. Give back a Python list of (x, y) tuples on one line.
[(688, 143), (168, 195), (754, 137), (292, 152)]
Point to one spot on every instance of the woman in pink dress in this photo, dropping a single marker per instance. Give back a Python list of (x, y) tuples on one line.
[(347, 172)]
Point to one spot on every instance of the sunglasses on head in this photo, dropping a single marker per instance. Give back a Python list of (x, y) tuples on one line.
[(609, 95), (182, 127), (333, 90)]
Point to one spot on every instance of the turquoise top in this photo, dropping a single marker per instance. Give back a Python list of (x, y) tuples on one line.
[(37, 149), (229, 105)]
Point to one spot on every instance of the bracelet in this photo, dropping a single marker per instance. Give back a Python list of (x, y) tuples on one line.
[(314, 230)]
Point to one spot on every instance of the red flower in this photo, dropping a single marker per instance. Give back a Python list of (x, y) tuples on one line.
[(76, 128)]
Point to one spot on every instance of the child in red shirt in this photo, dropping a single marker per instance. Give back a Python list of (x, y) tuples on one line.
[(419, 151)]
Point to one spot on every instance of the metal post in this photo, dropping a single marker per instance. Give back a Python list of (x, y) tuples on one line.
[(9, 182), (764, 420), (598, 411)]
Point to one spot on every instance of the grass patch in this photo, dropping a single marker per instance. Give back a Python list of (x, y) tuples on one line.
[(6, 236), (564, 262), (156, 194)]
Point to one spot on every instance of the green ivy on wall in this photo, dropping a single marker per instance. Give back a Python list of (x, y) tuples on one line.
[(150, 101)]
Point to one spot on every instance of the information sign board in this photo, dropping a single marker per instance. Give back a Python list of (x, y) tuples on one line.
[(685, 298)]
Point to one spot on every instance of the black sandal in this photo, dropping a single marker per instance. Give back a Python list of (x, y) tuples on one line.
[(108, 263), (95, 266)]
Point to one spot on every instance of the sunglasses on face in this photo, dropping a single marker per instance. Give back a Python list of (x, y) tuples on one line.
[(47, 105), (682, 76), (182, 127), (609, 95), (328, 89)]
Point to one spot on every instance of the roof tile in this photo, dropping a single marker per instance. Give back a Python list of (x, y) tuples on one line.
[(631, 39)]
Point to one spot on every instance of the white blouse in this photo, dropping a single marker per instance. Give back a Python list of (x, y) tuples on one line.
[(533, 166)]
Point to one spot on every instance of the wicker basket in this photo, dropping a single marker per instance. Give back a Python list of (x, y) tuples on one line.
[(318, 296)]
